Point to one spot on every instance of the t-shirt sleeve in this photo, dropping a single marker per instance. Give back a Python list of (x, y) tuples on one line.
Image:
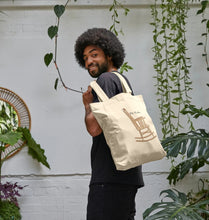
[(109, 83)]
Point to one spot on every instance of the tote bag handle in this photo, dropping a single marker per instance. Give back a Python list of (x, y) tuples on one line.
[(124, 84), (100, 93)]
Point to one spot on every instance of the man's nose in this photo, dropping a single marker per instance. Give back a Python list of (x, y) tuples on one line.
[(88, 62)]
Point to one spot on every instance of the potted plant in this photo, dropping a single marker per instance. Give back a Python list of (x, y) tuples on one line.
[(10, 134)]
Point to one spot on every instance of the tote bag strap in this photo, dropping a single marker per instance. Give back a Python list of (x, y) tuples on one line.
[(100, 93), (124, 84)]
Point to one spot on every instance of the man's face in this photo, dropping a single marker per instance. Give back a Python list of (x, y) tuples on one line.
[(95, 61)]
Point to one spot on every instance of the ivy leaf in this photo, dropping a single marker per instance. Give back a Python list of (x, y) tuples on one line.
[(34, 149), (59, 10), (48, 58), (52, 31), (56, 83)]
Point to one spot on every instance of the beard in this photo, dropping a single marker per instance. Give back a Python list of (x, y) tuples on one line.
[(100, 68)]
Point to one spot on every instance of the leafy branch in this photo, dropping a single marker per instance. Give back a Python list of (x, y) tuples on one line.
[(113, 8), (205, 21), (53, 33), (171, 63)]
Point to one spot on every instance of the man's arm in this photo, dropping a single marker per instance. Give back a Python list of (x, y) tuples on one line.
[(92, 125)]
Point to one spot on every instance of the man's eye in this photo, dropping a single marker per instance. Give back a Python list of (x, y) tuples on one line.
[(94, 55)]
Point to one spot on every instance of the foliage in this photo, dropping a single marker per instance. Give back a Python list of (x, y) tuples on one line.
[(34, 149), (178, 208), (125, 67), (113, 8), (204, 21), (9, 192), (171, 63), (10, 134), (201, 195), (9, 211), (187, 144), (53, 34), (195, 112), (10, 137), (192, 146), (8, 117)]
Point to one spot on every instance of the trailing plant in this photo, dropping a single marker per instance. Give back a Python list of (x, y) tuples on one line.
[(204, 21), (171, 63), (192, 147), (53, 34), (114, 8)]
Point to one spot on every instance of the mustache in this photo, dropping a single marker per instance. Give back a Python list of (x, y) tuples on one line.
[(92, 64)]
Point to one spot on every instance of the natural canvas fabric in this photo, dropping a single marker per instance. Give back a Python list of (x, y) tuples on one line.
[(127, 127)]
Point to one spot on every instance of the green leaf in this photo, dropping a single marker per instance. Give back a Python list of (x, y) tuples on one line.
[(187, 143), (199, 11), (191, 148), (34, 149), (125, 67), (56, 83), (59, 10), (10, 137), (48, 58), (52, 31), (178, 208)]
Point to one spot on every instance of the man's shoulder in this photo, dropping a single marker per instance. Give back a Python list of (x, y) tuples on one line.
[(107, 75)]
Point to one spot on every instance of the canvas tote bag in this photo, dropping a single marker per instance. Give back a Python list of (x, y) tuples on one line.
[(127, 127)]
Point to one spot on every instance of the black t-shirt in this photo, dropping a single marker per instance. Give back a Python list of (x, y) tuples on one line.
[(103, 167)]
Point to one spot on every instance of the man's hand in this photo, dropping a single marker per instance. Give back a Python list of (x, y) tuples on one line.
[(88, 97), (92, 125)]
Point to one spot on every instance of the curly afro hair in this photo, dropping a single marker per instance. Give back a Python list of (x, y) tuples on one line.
[(104, 39)]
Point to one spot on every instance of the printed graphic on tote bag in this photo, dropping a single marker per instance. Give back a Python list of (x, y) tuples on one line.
[(145, 133)]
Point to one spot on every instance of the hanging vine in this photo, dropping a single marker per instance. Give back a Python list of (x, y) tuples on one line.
[(53, 34), (204, 21), (171, 63)]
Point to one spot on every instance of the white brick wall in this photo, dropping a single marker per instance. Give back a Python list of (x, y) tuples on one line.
[(57, 116)]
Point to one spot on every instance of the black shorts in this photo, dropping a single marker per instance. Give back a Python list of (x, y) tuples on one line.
[(111, 202)]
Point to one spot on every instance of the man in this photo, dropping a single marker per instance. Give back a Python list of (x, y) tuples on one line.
[(112, 193)]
